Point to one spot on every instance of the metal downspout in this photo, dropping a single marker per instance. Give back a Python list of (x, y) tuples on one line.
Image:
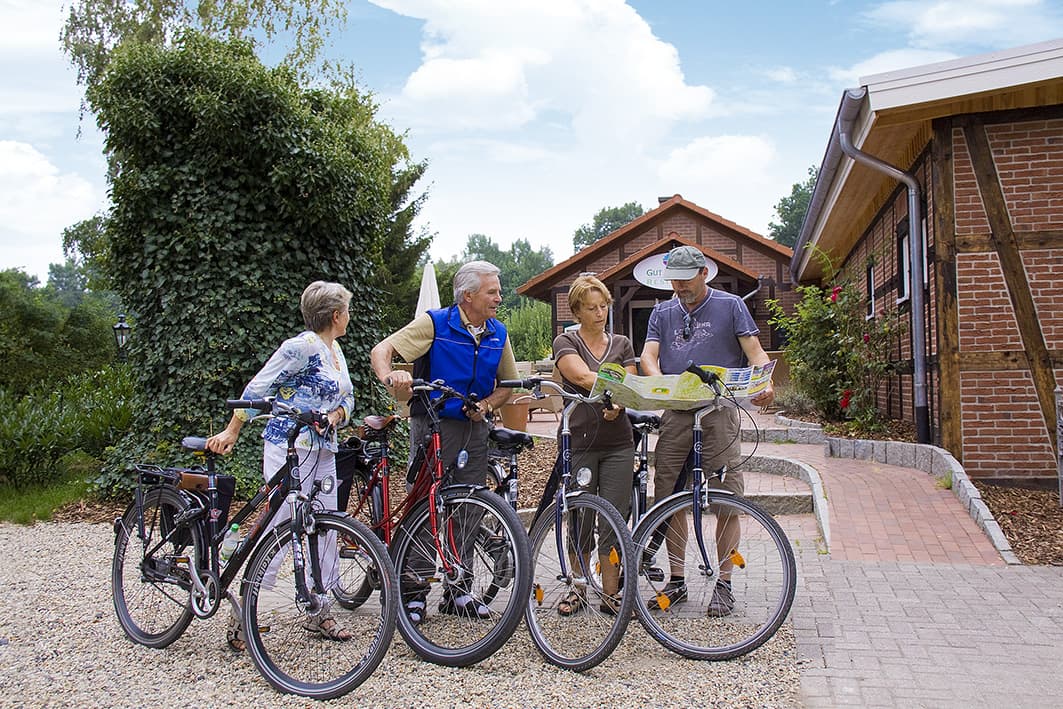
[(915, 241)]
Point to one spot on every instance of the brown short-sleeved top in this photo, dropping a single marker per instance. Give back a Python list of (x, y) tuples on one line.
[(590, 431)]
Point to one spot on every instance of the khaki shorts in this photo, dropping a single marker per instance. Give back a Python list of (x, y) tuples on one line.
[(721, 443)]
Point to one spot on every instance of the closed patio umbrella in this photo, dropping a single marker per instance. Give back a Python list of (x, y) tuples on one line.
[(429, 295)]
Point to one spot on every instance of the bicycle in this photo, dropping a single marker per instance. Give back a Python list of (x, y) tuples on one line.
[(448, 541), (762, 568), (563, 542), (167, 569)]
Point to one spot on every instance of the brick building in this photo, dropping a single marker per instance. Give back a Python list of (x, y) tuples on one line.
[(747, 264), (974, 147)]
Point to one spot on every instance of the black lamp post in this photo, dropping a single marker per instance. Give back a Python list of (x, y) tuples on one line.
[(121, 336)]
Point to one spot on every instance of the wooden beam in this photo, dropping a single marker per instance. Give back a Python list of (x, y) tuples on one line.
[(983, 243), (1007, 247), (1003, 360), (950, 414)]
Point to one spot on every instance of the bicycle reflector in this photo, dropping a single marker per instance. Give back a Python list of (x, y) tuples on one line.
[(463, 459)]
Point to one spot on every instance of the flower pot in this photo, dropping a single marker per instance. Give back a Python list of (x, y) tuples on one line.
[(515, 416)]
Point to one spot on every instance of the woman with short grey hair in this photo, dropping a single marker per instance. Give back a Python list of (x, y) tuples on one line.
[(469, 277), (319, 301), (308, 372)]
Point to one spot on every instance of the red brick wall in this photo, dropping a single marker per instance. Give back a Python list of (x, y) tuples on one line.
[(1004, 433)]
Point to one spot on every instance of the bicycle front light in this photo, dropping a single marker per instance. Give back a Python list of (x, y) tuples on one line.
[(583, 476), (328, 484)]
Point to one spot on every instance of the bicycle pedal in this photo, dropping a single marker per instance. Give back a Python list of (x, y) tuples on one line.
[(654, 574)]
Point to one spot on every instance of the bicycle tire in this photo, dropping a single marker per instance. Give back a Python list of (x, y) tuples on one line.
[(152, 593), (289, 654), (444, 636), (764, 583), (582, 639)]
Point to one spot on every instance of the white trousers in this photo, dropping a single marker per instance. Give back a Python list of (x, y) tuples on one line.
[(313, 465)]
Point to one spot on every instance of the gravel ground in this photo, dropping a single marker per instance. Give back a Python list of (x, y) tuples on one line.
[(60, 645)]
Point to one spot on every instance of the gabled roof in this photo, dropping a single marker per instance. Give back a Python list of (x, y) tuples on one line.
[(890, 117), (628, 264), (536, 287)]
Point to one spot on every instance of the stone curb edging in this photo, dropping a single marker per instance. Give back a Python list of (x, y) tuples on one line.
[(796, 469), (935, 461)]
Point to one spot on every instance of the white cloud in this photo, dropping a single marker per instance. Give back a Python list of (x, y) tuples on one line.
[(594, 64), (942, 23), (727, 174), (38, 201), (781, 74), (887, 61)]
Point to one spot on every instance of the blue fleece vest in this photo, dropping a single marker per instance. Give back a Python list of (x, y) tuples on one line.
[(458, 360)]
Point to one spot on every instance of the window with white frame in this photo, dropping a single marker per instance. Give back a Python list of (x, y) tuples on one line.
[(904, 261)]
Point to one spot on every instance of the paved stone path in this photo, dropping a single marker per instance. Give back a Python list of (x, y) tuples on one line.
[(910, 604)]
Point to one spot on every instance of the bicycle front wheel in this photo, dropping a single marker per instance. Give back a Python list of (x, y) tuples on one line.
[(577, 617), (464, 590), (150, 577), (724, 608), (327, 651)]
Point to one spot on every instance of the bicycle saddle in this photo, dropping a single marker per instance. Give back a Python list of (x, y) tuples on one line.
[(643, 417), (375, 427), (509, 439)]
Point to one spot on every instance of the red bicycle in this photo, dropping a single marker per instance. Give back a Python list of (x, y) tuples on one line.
[(458, 548)]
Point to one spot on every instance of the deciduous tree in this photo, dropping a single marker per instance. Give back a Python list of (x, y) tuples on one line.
[(606, 221)]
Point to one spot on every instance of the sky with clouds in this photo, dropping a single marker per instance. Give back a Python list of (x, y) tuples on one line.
[(535, 114)]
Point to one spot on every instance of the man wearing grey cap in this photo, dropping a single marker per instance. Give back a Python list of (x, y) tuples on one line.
[(706, 326)]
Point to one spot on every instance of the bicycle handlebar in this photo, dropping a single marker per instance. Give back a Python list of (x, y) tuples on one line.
[(706, 376), (279, 408), (536, 384)]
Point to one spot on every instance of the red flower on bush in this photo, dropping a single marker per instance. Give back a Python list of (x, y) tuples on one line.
[(834, 294), (847, 395), (867, 338)]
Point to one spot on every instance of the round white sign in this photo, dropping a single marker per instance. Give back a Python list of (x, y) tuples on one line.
[(650, 272)]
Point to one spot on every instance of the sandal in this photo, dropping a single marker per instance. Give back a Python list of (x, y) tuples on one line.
[(572, 603), (327, 626), (234, 635), (464, 605)]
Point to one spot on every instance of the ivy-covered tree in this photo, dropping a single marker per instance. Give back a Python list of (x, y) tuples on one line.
[(234, 188), (606, 221), (94, 29), (791, 211)]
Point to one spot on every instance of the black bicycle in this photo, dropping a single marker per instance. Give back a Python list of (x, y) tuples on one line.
[(739, 568), (167, 569)]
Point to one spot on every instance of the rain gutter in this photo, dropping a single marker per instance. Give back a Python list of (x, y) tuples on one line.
[(915, 240)]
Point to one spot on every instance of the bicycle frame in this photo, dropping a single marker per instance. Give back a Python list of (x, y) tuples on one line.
[(427, 483)]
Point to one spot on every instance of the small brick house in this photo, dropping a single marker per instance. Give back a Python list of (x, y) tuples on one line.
[(748, 265), (976, 149)]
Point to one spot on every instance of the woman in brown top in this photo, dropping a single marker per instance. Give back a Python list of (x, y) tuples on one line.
[(601, 438)]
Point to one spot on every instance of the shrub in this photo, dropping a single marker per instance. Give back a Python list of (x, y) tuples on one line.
[(84, 414), (838, 358)]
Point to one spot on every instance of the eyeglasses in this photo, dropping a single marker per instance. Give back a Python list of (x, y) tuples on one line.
[(688, 326)]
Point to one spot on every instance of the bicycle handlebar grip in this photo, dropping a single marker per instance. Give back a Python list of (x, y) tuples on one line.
[(519, 383), (258, 404), (709, 378)]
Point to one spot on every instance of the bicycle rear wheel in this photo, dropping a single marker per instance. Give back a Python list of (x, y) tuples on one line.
[(284, 640), (368, 513), (150, 580), (486, 554), (577, 619), (707, 620)]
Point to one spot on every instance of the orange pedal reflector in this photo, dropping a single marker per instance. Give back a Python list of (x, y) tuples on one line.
[(538, 594), (737, 559), (614, 556), (663, 602)]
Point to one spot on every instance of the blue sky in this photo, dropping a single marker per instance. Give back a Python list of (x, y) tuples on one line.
[(534, 114)]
